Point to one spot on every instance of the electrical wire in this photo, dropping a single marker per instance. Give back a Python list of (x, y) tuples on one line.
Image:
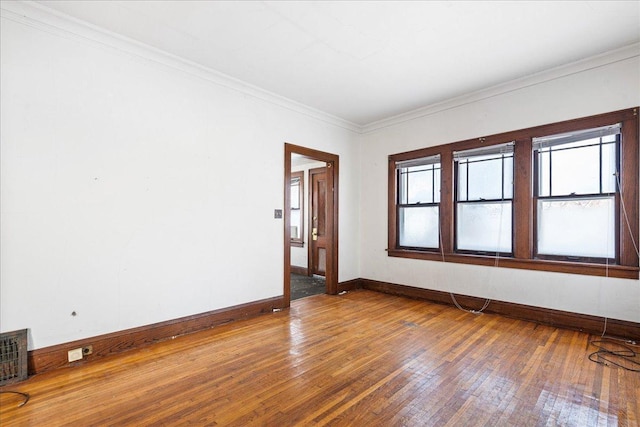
[(453, 297), (606, 267), (604, 328), (624, 212), (633, 240), (495, 264), (625, 358), (25, 395)]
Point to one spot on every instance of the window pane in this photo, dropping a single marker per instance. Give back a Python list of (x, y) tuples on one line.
[(484, 227), (485, 179), (544, 167), (295, 194), (420, 186), (508, 177), (418, 227), (575, 171), (583, 228), (462, 181), (608, 168), (296, 224), (402, 187), (436, 184)]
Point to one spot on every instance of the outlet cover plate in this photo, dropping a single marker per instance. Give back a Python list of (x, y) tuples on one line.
[(75, 354)]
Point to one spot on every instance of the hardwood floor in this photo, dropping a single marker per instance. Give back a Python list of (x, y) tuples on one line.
[(363, 358)]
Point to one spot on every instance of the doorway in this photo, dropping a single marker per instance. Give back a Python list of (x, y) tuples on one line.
[(322, 230)]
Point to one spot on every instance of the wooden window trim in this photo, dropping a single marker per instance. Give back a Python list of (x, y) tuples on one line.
[(299, 242), (433, 203), (581, 196), (457, 203), (523, 235)]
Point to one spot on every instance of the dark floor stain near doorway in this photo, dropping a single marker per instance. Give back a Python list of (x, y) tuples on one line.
[(304, 286)]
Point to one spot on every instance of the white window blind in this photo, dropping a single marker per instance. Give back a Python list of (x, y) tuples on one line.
[(581, 135), (484, 151), (423, 161)]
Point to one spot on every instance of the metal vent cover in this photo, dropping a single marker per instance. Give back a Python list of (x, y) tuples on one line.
[(13, 357)]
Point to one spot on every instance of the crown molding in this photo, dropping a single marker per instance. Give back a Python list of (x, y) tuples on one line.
[(38, 16), (45, 19), (607, 58)]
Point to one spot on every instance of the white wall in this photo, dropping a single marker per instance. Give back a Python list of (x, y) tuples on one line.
[(135, 190), (591, 91)]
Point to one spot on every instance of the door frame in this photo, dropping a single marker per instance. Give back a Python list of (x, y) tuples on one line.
[(333, 163)]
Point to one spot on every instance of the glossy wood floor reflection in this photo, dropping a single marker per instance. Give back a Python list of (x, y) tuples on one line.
[(363, 358)]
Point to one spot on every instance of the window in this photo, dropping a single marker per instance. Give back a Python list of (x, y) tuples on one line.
[(575, 177), (559, 197), (484, 193), (297, 209), (418, 202)]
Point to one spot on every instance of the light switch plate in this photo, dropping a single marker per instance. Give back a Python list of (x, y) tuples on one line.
[(277, 213)]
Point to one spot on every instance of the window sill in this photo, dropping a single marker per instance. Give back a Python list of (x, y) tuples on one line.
[(617, 271)]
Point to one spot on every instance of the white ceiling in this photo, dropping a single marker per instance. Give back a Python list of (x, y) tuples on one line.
[(364, 61)]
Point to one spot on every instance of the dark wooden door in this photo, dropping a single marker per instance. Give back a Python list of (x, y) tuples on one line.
[(318, 221)]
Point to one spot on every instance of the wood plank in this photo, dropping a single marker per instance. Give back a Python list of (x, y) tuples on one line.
[(362, 358)]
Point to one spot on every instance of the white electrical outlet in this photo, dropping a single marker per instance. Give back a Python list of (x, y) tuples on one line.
[(75, 354)]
